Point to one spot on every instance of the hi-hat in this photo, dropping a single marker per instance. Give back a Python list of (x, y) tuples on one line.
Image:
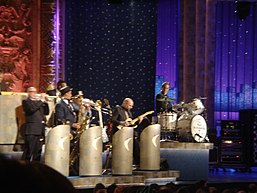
[(166, 99)]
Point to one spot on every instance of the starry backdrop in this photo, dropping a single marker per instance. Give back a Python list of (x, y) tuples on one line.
[(111, 50), (236, 59)]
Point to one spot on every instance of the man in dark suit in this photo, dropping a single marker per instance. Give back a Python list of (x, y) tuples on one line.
[(120, 116), (65, 113), (35, 109), (64, 109)]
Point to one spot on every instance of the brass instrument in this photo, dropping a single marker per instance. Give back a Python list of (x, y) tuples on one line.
[(83, 121)]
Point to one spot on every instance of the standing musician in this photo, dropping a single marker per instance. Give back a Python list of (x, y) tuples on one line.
[(162, 100), (120, 115), (34, 129)]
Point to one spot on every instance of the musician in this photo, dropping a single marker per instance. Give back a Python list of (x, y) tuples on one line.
[(64, 109), (65, 113), (51, 91), (34, 129), (162, 100), (120, 115)]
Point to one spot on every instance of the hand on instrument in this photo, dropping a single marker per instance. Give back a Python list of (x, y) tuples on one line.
[(76, 125), (140, 119), (43, 97), (125, 123)]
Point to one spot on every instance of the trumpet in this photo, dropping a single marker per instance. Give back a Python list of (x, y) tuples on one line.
[(46, 97)]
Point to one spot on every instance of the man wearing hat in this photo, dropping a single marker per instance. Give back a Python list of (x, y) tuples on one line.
[(64, 110), (65, 113)]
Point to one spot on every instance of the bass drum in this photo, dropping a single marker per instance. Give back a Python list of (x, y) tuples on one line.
[(191, 128)]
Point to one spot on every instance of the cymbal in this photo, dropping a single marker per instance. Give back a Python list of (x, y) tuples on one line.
[(166, 99)]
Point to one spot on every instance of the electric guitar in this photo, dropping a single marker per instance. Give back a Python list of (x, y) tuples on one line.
[(132, 122)]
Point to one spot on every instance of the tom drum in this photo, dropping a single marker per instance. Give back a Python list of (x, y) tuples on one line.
[(168, 121), (196, 107)]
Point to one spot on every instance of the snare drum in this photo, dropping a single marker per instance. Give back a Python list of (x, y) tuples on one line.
[(191, 127), (196, 107), (168, 121)]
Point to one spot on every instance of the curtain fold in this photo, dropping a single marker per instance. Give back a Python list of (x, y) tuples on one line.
[(197, 58)]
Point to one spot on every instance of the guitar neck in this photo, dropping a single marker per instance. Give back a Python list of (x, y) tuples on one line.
[(136, 119)]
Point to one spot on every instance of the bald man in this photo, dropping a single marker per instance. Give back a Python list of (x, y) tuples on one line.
[(35, 109), (120, 115)]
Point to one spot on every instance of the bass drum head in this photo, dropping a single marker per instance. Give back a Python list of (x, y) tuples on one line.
[(191, 128), (198, 128)]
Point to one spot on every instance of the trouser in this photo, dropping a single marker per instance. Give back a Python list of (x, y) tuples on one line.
[(33, 147)]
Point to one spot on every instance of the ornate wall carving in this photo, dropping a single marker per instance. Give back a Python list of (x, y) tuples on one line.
[(31, 43), (16, 43)]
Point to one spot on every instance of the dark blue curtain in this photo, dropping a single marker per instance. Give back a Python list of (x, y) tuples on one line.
[(111, 50)]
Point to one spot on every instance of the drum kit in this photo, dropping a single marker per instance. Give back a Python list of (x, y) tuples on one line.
[(186, 123)]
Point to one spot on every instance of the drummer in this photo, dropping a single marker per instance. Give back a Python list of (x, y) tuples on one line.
[(163, 102)]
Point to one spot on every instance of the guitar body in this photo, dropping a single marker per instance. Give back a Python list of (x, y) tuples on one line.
[(132, 122)]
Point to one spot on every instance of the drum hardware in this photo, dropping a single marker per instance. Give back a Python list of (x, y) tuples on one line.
[(166, 99)]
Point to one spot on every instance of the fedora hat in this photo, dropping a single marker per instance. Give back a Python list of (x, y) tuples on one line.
[(65, 89)]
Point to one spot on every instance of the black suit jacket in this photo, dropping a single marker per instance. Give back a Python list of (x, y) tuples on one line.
[(118, 115), (63, 114), (35, 111)]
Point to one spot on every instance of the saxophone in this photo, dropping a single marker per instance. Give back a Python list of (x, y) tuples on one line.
[(83, 120)]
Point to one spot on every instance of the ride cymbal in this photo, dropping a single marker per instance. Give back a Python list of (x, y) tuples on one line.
[(166, 99)]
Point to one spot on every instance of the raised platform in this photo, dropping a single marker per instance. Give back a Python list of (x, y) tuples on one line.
[(191, 159), (139, 178)]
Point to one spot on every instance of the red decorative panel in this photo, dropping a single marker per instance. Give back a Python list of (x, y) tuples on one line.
[(16, 43)]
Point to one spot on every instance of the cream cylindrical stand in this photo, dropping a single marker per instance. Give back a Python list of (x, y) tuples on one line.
[(150, 148), (122, 151), (57, 149), (91, 146)]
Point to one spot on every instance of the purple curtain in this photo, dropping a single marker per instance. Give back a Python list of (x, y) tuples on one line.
[(167, 45), (236, 59)]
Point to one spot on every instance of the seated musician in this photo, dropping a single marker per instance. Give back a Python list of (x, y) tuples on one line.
[(65, 113), (64, 110), (162, 100), (120, 116)]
